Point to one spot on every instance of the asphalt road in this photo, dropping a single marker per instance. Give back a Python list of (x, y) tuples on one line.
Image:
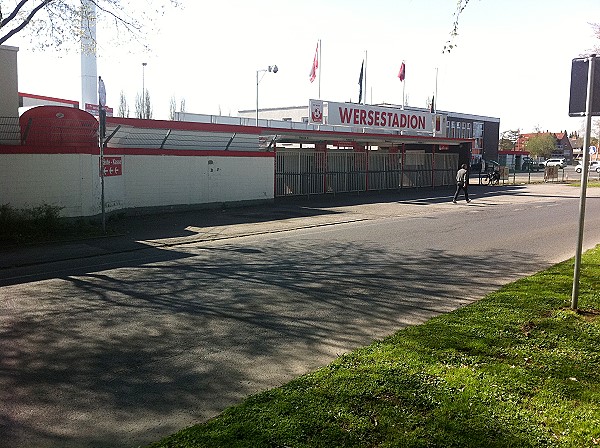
[(122, 349)]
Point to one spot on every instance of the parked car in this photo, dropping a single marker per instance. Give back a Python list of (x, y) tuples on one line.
[(561, 163), (530, 165), (594, 166)]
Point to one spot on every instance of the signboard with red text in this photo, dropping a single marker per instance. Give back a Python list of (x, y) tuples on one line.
[(351, 114), (112, 166)]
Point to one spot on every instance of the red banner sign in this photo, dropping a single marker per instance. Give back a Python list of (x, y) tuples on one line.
[(94, 110), (112, 166)]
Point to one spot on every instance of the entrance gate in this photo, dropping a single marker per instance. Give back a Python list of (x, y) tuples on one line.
[(316, 172)]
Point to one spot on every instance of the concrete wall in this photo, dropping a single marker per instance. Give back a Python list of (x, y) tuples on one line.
[(71, 180), (9, 86)]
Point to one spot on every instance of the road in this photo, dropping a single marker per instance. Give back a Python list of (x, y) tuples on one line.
[(123, 349)]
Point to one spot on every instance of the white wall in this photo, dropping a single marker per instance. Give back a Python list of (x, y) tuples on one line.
[(63, 180), (72, 181)]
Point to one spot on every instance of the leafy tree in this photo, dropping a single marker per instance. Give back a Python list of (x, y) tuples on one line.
[(57, 22), (508, 140), (123, 106), (541, 145)]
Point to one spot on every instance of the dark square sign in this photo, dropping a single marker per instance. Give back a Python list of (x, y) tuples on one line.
[(579, 85)]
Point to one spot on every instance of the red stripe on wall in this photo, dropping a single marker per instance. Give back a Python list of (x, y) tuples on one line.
[(182, 125), (185, 152), (8, 149), (49, 98), (130, 151)]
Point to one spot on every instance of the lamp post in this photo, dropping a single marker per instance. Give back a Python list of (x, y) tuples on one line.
[(144, 64), (270, 68)]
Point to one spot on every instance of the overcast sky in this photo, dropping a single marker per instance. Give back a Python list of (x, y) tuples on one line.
[(513, 58)]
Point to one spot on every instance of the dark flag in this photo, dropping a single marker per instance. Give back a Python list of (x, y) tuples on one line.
[(360, 82), (432, 108)]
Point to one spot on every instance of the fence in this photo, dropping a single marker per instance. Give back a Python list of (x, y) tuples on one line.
[(10, 131), (311, 172)]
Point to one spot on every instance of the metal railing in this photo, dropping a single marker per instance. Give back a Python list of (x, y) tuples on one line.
[(174, 139), (314, 172), (10, 131)]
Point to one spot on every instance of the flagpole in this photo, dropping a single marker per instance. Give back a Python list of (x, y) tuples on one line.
[(320, 63), (436, 91), (365, 97), (403, 86)]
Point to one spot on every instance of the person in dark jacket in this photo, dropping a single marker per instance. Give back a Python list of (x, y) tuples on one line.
[(462, 183)]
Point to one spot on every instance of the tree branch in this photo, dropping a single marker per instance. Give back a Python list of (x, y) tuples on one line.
[(26, 21), (13, 14), (460, 7)]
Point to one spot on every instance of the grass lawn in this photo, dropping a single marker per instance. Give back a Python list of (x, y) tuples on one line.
[(516, 369)]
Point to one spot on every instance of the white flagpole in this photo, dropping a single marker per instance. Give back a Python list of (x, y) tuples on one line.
[(403, 89), (365, 80), (403, 84), (320, 63), (436, 98)]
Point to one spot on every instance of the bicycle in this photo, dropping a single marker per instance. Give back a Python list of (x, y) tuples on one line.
[(492, 178)]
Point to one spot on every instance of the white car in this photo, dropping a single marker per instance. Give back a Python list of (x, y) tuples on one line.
[(561, 163), (594, 166)]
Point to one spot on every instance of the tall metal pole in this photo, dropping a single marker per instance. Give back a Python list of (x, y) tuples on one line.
[(144, 64), (257, 97), (584, 180), (320, 63), (435, 96), (365, 96)]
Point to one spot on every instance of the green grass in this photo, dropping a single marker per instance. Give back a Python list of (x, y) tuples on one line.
[(42, 224), (516, 369), (591, 184)]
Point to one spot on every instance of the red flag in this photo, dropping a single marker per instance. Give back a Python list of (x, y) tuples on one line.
[(402, 72), (315, 66)]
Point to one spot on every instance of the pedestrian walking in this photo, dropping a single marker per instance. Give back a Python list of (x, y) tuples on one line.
[(462, 183)]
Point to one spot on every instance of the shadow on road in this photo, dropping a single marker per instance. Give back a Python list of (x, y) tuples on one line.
[(125, 356)]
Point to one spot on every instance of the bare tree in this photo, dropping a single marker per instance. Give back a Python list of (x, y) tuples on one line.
[(172, 108), (596, 28), (143, 106), (460, 7), (123, 106), (58, 22)]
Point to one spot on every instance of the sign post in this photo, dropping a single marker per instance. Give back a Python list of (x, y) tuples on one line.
[(102, 135), (579, 80)]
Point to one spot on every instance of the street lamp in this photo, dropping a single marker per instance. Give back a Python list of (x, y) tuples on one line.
[(144, 64), (271, 68)]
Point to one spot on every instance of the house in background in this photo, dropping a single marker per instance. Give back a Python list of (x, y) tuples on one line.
[(562, 147)]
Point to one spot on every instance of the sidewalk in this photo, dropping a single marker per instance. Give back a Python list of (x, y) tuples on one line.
[(284, 214), (169, 229)]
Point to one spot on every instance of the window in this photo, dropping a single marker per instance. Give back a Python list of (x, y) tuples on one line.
[(477, 129)]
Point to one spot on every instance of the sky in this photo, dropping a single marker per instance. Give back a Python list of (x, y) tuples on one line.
[(512, 60)]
